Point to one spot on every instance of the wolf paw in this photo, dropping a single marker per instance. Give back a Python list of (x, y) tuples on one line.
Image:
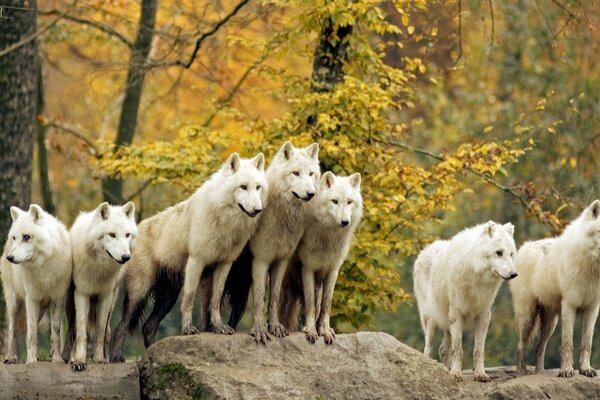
[(310, 334), (58, 360), (10, 360), (189, 330), (260, 334), (481, 377), (457, 375), (590, 373), (566, 373), (78, 365), (117, 359), (328, 335), (278, 330), (222, 329)]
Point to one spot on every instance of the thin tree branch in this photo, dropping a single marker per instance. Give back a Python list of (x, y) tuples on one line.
[(493, 30), (40, 32), (97, 25), (139, 191), (460, 49), (565, 9), (73, 132)]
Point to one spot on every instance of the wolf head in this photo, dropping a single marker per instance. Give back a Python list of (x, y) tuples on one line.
[(248, 181), (295, 172), (29, 234), (339, 201), (114, 230), (586, 229), (498, 249)]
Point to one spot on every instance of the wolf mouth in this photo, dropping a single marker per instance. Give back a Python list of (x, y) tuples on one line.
[(296, 195), (111, 256), (250, 214)]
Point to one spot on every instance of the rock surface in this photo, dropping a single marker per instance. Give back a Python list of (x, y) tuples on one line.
[(45, 380), (365, 365)]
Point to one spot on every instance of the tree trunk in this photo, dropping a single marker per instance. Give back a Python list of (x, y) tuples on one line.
[(17, 111), (42, 153), (112, 188)]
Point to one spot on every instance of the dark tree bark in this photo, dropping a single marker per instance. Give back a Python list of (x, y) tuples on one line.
[(42, 153), (112, 188), (17, 110)]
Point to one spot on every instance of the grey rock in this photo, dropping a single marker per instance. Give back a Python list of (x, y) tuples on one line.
[(365, 365)]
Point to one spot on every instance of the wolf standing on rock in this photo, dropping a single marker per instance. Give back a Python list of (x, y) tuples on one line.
[(560, 276), (102, 242), (208, 230), (36, 271), (456, 282)]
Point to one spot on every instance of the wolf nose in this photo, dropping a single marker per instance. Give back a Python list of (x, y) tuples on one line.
[(310, 195), (10, 258), (125, 258), (257, 210), (513, 274), (345, 223)]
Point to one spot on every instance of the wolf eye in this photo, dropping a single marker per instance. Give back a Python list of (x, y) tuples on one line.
[(499, 253), (311, 174), (26, 238), (296, 173), (334, 201), (112, 235), (244, 187), (258, 187), (350, 202), (127, 235), (14, 238)]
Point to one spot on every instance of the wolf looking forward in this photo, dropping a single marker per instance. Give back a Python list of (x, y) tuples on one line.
[(206, 231), (456, 282), (335, 214), (36, 273), (293, 175), (560, 276), (102, 242)]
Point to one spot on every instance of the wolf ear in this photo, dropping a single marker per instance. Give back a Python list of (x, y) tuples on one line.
[(490, 227), (129, 210), (327, 179), (313, 151), (36, 212), (594, 209), (287, 150), (15, 213), (103, 211), (510, 228), (233, 162), (259, 161), (355, 180)]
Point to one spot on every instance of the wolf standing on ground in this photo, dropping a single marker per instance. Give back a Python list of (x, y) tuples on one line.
[(335, 214), (36, 270), (208, 230), (102, 242), (456, 282), (560, 276), (293, 175)]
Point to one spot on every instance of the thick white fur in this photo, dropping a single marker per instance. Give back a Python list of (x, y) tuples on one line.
[(560, 276), (456, 282), (222, 215), (293, 175), (39, 276), (102, 242), (335, 214)]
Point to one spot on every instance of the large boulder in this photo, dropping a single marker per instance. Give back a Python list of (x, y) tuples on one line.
[(365, 365)]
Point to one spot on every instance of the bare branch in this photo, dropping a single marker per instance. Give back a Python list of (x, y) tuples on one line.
[(460, 49), (139, 190), (97, 25), (75, 133), (40, 32), (493, 30), (565, 9)]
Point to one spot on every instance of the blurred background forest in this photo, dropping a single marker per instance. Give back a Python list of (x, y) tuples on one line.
[(455, 113)]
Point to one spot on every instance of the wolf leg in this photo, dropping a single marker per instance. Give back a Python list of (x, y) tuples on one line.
[(259, 280), (444, 349), (568, 314), (193, 272), (482, 322), (105, 304), (12, 308), (525, 325), (325, 309), (33, 315), (277, 273), (165, 296), (588, 321), (218, 284), (548, 321), (429, 328), (56, 312), (456, 351), (82, 309), (308, 283)]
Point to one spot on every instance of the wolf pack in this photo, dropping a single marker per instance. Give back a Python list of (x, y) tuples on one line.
[(285, 230)]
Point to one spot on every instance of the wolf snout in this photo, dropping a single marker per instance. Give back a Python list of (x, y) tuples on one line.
[(345, 223), (10, 258), (310, 195), (512, 275), (125, 258)]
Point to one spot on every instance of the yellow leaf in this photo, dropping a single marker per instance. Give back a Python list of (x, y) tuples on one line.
[(434, 31), (551, 130), (411, 30), (487, 129), (405, 20)]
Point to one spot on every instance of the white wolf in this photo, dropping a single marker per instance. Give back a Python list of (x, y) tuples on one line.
[(560, 276), (102, 242), (36, 272), (456, 282), (293, 175), (206, 231), (335, 214)]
